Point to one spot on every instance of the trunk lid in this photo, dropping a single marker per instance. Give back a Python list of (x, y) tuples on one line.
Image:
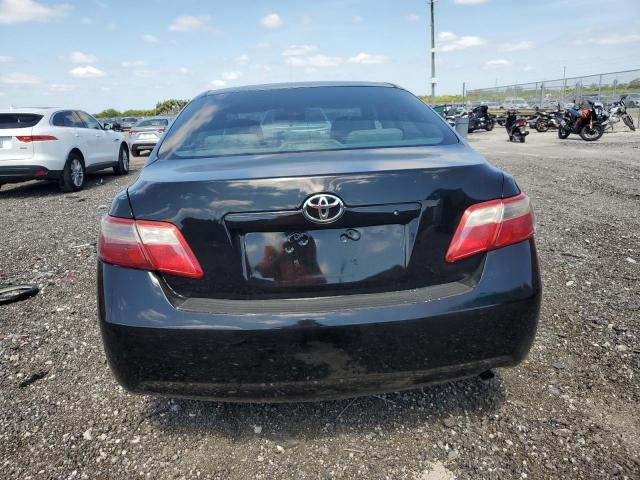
[(13, 125), (242, 217)]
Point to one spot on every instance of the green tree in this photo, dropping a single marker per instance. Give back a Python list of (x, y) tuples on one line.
[(108, 113), (170, 107), (634, 84)]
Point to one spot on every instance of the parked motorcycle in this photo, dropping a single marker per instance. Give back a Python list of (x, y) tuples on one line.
[(618, 111), (516, 127), (480, 118), (542, 121), (586, 122)]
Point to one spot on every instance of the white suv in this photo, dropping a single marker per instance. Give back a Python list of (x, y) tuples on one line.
[(57, 144)]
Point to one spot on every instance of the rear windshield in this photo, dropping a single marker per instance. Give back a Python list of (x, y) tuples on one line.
[(153, 122), (303, 119), (130, 119), (18, 120)]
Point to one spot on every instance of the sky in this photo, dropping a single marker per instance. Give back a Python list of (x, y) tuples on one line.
[(98, 54)]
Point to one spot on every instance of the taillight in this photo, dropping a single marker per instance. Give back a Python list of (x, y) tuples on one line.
[(132, 132), (147, 245), (521, 123), (489, 225), (35, 138), (160, 130)]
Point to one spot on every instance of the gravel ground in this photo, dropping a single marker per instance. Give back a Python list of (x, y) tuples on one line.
[(569, 411)]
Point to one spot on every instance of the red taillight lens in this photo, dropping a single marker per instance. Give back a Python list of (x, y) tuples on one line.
[(132, 132), (521, 123), (489, 225), (146, 245), (35, 138), (160, 130)]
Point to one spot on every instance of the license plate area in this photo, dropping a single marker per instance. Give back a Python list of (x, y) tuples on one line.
[(324, 257), (147, 136)]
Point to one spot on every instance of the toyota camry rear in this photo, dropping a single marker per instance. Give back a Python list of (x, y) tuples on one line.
[(310, 241)]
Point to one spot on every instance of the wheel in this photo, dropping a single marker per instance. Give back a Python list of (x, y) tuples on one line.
[(562, 133), (628, 121), (542, 126), (122, 168), (522, 138), (490, 125), (591, 134), (73, 174)]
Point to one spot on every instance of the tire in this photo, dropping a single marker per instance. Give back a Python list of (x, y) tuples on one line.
[(628, 121), (542, 126), (122, 168), (591, 134), (73, 175), (562, 133), (522, 138), (490, 125)]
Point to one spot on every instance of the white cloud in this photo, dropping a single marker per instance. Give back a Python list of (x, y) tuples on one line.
[(307, 19), (61, 88), (616, 39), (150, 38), (470, 2), (19, 11), (6, 59), (79, 57), (87, 72), (356, 19), (183, 70), (272, 21), (368, 59), (190, 23), (2, 94), (527, 68), (231, 75), (315, 61), (297, 50), (263, 45), (143, 73), (133, 63), (19, 79), (412, 17), (218, 83), (450, 42), (86, 21), (498, 62), (242, 60), (524, 45)]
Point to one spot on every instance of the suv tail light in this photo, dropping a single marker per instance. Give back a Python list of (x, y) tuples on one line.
[(147, 245), (489, 225), (35, 138)]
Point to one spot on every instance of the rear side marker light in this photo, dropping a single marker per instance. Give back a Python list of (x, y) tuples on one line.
[(35, 138), (490, 225), (146, 245)]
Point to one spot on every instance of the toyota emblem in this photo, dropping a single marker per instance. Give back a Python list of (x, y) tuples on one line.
[(323, 208)]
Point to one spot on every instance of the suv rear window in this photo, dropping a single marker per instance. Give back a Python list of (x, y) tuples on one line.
[(19, 120), (303, 119)]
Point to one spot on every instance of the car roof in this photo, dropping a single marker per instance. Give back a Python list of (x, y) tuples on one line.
[(291, 85), (40, 110)]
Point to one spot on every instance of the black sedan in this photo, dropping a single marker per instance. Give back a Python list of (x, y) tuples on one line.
[(310, 241)]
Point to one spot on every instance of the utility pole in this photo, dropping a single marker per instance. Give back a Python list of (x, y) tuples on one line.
[(433, 54), (564, 82)]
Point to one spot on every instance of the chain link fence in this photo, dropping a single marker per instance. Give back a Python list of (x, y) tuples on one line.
[(603, 87)]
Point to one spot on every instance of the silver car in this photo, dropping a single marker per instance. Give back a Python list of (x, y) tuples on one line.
[(145, 134)]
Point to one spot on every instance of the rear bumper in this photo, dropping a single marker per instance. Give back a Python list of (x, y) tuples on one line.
[(21, 173), (142, 145), (155, 347)]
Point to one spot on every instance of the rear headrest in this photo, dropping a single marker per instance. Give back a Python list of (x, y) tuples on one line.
[(342, 126), (243, 125)]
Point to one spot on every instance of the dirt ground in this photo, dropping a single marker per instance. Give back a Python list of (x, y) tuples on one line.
[(571, 410)]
